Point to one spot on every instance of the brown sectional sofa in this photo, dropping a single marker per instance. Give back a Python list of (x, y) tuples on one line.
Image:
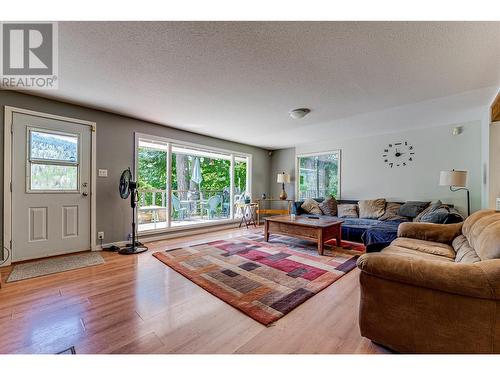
[(436, 288)]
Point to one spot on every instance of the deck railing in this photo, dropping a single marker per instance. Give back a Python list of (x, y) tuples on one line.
[(158, 197), (192, 203)]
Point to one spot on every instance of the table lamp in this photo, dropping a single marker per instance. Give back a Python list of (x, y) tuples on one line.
[(283, 179), (456, 180)]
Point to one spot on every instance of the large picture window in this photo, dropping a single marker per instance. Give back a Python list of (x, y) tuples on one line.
[(318, 175), (187, 185)]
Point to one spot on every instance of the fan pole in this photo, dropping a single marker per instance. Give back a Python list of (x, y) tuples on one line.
[(134, 205)]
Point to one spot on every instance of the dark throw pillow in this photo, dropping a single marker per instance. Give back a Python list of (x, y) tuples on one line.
[(329, 206), (431, 207), (412, 209), (437, 216)]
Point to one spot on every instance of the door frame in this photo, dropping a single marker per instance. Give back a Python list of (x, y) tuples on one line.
[(7, 175)]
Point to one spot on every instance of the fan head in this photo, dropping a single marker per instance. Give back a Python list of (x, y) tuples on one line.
[(125, 179)]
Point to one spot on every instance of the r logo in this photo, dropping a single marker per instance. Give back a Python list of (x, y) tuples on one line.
[(27, 49)]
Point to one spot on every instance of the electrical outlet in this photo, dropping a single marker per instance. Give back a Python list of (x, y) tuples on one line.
[(103, 173), (100, 235)]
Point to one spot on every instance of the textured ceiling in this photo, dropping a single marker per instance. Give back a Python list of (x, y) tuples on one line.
[(238, 80)]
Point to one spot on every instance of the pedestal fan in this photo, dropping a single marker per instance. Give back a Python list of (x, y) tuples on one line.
[(128, 187)]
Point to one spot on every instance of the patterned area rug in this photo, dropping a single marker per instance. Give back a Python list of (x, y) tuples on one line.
[(265, 280)]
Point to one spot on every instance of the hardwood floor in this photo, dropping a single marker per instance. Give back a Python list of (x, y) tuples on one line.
[(136, 304)]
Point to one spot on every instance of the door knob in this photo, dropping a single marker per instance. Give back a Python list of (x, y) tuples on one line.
[(85, 192)]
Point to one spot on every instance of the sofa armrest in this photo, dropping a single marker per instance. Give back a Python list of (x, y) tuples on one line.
[(479, 280), (444, 233)]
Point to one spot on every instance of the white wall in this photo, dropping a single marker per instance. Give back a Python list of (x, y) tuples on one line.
[(364, 174)]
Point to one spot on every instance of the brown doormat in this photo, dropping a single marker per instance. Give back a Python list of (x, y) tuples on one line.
[(53, 265), (265, 280)]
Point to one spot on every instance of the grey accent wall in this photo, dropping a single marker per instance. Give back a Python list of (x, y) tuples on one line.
[(364, 174), (282, 161), (115, 152)]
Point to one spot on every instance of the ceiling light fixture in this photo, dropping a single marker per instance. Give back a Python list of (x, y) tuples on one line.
[(299, 113)]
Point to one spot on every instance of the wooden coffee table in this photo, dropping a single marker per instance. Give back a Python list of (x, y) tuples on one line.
[(319, 230)]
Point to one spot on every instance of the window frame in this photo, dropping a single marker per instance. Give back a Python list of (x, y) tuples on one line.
[(328, 152), (169, 143), (40, 161)]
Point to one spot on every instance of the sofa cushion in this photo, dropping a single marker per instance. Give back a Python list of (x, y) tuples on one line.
[(380, 235), (347, 210), (412, 209), (407, 252), (311, 206), (355, 221), (444, 233), (465, 252), (329, 206), (392, 212), (429, 247), (371, 209), (482, 230)]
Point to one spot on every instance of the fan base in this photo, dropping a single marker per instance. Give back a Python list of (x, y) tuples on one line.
[(130, 249)]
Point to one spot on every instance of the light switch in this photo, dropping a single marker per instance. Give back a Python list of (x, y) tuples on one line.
[(103, 173)]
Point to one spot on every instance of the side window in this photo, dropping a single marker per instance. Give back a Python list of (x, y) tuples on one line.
[(319, 175)]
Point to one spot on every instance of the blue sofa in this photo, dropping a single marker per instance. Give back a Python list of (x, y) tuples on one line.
[(373, 233)]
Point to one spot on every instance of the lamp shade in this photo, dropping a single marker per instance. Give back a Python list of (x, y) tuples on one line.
[(283, 178), (453, 178)]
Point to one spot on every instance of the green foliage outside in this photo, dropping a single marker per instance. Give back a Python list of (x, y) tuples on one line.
[(152, 165)]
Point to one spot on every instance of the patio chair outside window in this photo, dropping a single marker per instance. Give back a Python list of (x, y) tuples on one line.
[(212, 204), (178, 209)]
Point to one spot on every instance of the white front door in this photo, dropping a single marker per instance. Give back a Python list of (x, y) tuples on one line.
[(50, 187)]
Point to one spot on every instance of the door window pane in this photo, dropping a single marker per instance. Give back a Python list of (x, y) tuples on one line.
[(51, 146), (319, 175), (54, 177)]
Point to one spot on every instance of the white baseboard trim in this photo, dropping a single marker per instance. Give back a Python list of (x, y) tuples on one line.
[(166, 236)]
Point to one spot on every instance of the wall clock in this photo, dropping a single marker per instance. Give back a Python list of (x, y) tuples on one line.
[(398, 154)]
